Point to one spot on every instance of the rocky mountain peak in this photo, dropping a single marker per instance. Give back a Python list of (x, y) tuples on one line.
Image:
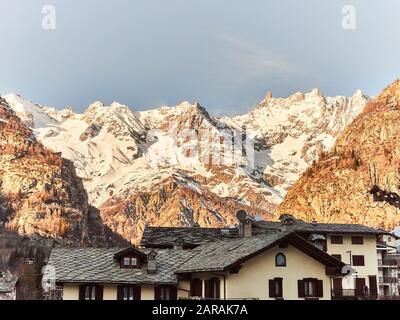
[(352, 182), (389, 99), (315, 93)]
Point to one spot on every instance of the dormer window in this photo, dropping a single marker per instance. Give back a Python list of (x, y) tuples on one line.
[(130, 262), (130, 258)]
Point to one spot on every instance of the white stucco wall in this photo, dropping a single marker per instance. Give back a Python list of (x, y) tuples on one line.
[(368, 250), (252, 279)]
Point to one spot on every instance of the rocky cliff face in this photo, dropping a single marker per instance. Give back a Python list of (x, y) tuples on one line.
[(359, 180), (177, 201), (39, 192), (179, 165)]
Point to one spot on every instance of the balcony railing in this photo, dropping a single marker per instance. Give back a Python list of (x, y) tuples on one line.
[(344, 293), (388, 280), (387, 263)]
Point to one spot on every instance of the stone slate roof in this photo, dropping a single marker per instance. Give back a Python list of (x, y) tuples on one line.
[(97, 265), (224, 254), (218, 255), (162, 237), (301, 226)]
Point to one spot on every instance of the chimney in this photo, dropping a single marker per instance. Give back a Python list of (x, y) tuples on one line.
[(315, 223), (178, 244), (247, 227), (245, 224), (287, 221), (151, 262)]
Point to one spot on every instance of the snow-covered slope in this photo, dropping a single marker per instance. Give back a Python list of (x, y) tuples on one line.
[(120, 153), (295, 130)]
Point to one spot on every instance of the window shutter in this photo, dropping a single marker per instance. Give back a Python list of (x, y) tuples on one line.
[(319, 288), (217, 288), (157, 293), (207, 287), (173, 293), (373, 287), (300, 284), (280, 287), (82, 289), (99, 292), (137, 293), (358, 261), (120, 293), (196, 288), (272, 289)]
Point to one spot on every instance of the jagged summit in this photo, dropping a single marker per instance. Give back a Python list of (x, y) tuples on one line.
[(388, 99), (356, 179), (124, 156)]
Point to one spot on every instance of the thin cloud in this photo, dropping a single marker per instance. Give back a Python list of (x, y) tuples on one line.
[(254, 60)]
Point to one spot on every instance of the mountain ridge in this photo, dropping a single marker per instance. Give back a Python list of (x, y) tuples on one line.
[(120, 153)]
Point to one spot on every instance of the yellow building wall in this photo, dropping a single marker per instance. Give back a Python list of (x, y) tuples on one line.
[(184, 289), (71, 292), (253, 278), (110, 292), (368, 250), (147, 292)]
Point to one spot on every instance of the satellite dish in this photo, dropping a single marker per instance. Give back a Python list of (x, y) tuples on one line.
[(241, 215)]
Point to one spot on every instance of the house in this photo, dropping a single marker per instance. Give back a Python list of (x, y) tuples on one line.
[(288, 259), (355, 245), (8, 285), (118, 274), (388, 266)]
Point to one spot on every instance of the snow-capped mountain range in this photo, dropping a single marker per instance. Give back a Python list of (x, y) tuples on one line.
[(250, 159)]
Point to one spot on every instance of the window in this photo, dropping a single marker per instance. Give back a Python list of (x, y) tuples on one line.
[(358, 261), (130, 262), (275, 288), (90, 292), (166, 293), (280, 260), (357, 240), (212, 288), (196, 288), (127, 262), (336, 239), (310, 288), (337, 256), (128, 293)]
